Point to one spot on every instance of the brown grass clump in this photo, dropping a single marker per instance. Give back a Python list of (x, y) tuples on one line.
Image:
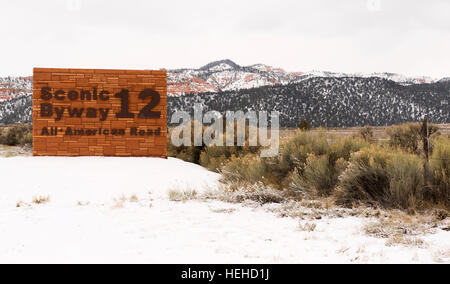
[(41, 199), (183, 196)]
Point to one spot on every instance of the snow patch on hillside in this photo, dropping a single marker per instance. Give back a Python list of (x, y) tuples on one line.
[(11, 87), (225, 75)]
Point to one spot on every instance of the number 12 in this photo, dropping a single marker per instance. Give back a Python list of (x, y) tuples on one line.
[(145, 112)]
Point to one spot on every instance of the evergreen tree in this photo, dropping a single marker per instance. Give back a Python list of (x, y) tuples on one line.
[(304, 125)]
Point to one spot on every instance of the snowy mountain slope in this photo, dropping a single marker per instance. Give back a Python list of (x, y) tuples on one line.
[(404, 80), (327, 98), (17, 109), (398, 78), (226, 75), (11, 87), (332, 102), (223, 75), (115, 210)]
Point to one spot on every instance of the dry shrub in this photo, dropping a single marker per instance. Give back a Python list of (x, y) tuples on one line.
[(211, 157), (187, 153), (26, 140), (304, 125), (320, 176), (343, 147), (406, 182), (408, 136), (296, 150), (438, 185), (247, 169), (293, 156), (366, 133), (398, 179), (365, 179), (316, 162), (381, 177), (214, 157), (441, 214), (308, 163), (19, 134)]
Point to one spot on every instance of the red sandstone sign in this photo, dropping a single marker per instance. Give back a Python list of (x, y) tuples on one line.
[(90, 112)]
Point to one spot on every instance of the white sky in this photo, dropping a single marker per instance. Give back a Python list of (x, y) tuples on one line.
[(411, 37)]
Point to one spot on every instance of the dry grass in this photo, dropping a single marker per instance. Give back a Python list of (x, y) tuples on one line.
[(239, 193), (182, 196), (400, 228), (119, 204), (379, 133), (133, 198), (441, 214), (10, 154), (400, 239), (292, 209), (343, 250), (223, 210), (307, 227), (41, 199), (277, 202), (13, 151), (123, 199), (36, 200)]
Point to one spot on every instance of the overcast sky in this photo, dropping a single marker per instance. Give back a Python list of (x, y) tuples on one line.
[(411, 37)]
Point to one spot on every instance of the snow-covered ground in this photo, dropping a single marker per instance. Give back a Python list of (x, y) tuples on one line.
[(117, 210)]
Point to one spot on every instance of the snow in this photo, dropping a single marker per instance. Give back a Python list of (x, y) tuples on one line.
[(68, 180), (88, 221), (222, 76), (11, 87), (221, 67)]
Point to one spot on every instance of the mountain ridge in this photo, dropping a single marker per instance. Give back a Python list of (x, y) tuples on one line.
[(322, 98), (332, 102), (225, 75)]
